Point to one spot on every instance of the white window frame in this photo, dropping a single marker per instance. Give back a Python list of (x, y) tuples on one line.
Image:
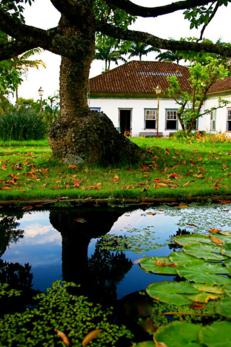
[(150, 114), (229, 119), (171, 115), (97, 109), (213, 120)]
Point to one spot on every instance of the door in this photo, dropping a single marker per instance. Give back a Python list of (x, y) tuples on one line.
[(125, 122)]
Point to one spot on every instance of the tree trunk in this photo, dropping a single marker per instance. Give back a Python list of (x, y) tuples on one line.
[(80, 135)]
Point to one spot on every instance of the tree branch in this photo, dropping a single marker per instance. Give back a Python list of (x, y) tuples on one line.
[(209, 20), (157, 42), (14, 48), (17, 30), (137, 10)]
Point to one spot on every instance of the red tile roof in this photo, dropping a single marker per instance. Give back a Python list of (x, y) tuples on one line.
[(138, 78), (221, 86)]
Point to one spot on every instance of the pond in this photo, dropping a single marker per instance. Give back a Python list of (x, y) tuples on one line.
[(99, 247)]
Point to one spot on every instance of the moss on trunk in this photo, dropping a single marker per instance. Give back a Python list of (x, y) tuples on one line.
[(91, 138)]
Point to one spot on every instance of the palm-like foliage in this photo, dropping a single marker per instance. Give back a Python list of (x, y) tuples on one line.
[(138, 49), (23, 62), (109, 50)]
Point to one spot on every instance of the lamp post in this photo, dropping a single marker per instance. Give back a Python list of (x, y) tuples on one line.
[(40, 93), (158, 92)]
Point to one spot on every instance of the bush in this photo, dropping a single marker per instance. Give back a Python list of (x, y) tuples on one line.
[(61, 310), (22, 125)]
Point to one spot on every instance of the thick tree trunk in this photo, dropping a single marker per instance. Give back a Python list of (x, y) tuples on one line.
[(80, 135)]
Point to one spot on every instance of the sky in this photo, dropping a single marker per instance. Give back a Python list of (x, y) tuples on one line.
[(42, 14)]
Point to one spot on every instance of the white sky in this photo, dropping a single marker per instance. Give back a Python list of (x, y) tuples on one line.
[(42, 14)]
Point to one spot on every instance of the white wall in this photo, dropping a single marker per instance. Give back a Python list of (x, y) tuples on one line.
[(111, 107), (221, 115)]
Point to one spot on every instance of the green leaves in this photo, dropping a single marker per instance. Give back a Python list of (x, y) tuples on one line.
[(175, 293), (216, 335), (194, 335), (179, 334), (204, 262)]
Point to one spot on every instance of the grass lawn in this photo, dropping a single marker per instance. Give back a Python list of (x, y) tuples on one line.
[(173, 169)]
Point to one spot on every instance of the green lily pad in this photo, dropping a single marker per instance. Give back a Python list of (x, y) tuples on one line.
[(159, 265), (226, 250), (178, 334), (144, 344), (204, 251), (218, 334), (184, 240), (174, 293), (204, 297), (223, 308), (206, 273), (181, 258), (209, 289), (227, 264)]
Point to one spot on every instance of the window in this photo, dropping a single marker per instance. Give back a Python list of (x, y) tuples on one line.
[(150, 116), (97, 109), (229, 120), (171, 120), (213, 120)]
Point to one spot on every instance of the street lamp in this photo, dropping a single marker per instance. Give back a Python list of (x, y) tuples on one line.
[(158, 92), (40, 93)]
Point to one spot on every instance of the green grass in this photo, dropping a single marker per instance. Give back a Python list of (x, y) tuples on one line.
[(173, 169)]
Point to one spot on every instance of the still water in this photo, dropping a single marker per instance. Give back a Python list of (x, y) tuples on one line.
[(97, 247)]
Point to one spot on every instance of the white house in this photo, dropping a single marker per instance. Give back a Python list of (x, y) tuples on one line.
[(133, 96)]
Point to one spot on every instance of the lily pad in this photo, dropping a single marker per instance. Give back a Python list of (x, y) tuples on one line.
[(226, 250), (227, 264), (159, 265), (204, 251), (184, 240), (179, 334), (216, 335), (175, 293), (223, 308), (206, 273), (144, 344), (181, 258), (204, 297), (209, 289)]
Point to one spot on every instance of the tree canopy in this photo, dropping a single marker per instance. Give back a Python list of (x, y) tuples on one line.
[(25, 37), (78, 134)]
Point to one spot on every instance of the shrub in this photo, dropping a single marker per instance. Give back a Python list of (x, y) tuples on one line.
[(22, 125), (61, 310)]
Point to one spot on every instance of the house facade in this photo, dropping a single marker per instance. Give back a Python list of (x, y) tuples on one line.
[(133, 96)]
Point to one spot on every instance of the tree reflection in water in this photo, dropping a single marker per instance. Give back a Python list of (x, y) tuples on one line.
[(98, 275), (17, 276)]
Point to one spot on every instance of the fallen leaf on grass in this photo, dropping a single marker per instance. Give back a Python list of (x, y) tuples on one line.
[(186, 184), (115, 179), (63, 337), (4, 167), (173, 175), (72, 166), (160, 185), (90, 336), (5, 188), (96, 186), (76, 183)]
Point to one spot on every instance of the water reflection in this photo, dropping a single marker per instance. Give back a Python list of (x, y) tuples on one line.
[(74, 244), (100, 273)]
